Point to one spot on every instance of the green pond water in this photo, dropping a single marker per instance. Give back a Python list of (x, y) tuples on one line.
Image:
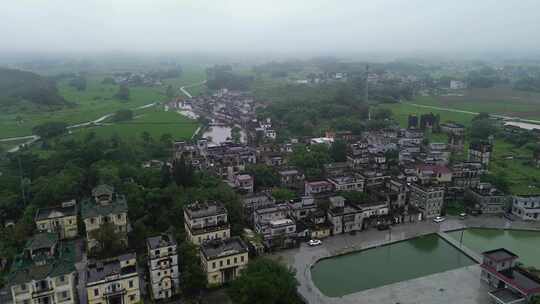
[(342, 275), (526, 244)]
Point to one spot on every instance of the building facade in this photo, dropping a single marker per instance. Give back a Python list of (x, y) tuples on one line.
[(428, 199), (104, 208), (163, 266), (45, 273), (206, 221), (61, 219), (526, 207), (223, 260), (113, 281)]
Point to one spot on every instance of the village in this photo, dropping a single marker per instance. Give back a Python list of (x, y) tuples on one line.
[(391, 176)]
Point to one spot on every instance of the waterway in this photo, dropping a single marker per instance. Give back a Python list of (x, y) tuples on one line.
[(401, 261), (524, 243)]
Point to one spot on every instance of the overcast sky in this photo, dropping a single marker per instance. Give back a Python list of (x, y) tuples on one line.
[(287, 26)]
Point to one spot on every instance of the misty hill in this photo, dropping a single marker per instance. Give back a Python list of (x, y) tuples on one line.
[(18, 86)]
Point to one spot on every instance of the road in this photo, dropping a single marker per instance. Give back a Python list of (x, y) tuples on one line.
[(183, 89)]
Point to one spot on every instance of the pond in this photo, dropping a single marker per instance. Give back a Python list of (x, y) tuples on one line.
[(524, 243), (220, 134), (401, 261)]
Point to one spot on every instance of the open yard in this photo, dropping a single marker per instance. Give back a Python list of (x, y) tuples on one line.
[(503, 101), (401, 112)]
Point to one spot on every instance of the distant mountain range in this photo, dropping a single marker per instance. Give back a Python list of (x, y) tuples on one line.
[(19, 86)]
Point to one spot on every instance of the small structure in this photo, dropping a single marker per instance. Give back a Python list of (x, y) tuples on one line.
[(206, 221), (244, 183), (343, 217), (317, 187), (223, 260), (163, 266), (347, 183), (512, 284), (113, 281)]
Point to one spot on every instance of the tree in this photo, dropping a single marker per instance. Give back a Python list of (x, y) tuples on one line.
[(282, 194), (263, 175), (50, 129), (108, 240), (265, 281), (338, 151), (193, 277), (123, 115), (145, 136), (500, 181), (78, 83), (123, 93), (483, 128), (183, 173), (170, 91)]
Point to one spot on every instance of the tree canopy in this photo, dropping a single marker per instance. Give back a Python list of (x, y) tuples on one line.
[(265, 281)]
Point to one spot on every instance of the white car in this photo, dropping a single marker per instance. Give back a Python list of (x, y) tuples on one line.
[(439, 219), (314, 242)]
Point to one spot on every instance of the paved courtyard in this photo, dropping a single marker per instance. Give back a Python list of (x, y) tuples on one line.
[(456, 286)]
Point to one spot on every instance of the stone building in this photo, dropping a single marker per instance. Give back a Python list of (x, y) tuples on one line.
[(484, 198), (480, 152), (526, 207)]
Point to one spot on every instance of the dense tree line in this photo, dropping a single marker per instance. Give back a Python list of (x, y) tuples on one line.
[(223, 77)]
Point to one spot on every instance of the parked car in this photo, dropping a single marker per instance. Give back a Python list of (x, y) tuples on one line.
[(462, 216), (439, 219), (314, 242)]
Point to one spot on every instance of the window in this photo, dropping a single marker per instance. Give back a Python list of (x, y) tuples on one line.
[(157, 251), (235, 260), (242, 258), (158, 273), (119, 216), (92, 220), (221, 263), (213, 264), (96, 292), (131, 284), (23, 286), (170, 249), (64, 294), (228, 261), (62, 278), (131, 298)]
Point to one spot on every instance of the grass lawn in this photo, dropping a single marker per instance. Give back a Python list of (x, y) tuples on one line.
[(96, 101), (504, 101), (152, 120), (401, 113), (190, 75)]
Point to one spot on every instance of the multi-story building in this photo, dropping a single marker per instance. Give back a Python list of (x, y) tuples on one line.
[(302, 207), (61, 219), (485, 198), (347, 183), (105, 207), (113, 281), (526, 207), (276, 226), (466, 174), (223, 259), (45, 273), (433, 173), (510, 282), (480, 152), (428, 199), (163, 266), (206, 221), (344, 217)]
